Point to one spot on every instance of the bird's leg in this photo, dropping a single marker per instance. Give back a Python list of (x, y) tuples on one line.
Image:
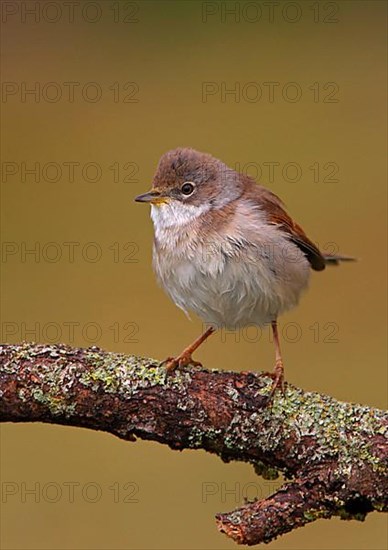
[(278, 373), (185, 357)]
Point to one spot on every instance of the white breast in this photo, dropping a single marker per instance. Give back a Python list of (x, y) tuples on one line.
[(248, 275)]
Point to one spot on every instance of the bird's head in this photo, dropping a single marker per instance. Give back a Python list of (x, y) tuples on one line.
[(188, 183)]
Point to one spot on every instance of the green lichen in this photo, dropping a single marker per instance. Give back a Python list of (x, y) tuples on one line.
[(118, 374), (126, 375), (196, 437), (265, 471), (56, 405), (312, 515), (340, 429)]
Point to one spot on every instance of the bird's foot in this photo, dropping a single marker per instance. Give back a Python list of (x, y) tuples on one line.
[(184, 359), (278, 379)]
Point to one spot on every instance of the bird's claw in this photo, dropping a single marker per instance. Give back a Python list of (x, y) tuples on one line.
[(278, 380), (172, 363)]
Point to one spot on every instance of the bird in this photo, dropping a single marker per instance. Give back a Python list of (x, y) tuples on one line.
[(226, 249)]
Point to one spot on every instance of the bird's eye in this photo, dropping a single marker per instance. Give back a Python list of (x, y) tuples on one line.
[(187, 188)]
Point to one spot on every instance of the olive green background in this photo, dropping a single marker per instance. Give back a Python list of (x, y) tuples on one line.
[(169, 52)]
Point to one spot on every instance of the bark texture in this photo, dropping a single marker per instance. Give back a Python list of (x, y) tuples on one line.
[(334, 454)]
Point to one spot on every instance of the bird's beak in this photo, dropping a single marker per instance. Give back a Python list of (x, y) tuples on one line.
[(154, 197)]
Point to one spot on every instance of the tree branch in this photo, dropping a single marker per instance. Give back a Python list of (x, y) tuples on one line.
[(334, 453)]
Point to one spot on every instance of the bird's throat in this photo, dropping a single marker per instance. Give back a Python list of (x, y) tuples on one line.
[(175, 214)]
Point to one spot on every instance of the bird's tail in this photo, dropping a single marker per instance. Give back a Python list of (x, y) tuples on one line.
[(334, 259)]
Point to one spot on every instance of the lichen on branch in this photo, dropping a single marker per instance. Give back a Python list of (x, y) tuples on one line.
[(334, 454)]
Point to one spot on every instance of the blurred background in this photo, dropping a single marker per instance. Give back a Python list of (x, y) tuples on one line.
[(93, 94)]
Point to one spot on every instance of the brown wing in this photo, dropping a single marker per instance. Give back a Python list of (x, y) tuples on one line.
[(273, 207)]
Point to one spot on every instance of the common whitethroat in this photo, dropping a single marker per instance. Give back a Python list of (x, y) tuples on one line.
[(225, 248)]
